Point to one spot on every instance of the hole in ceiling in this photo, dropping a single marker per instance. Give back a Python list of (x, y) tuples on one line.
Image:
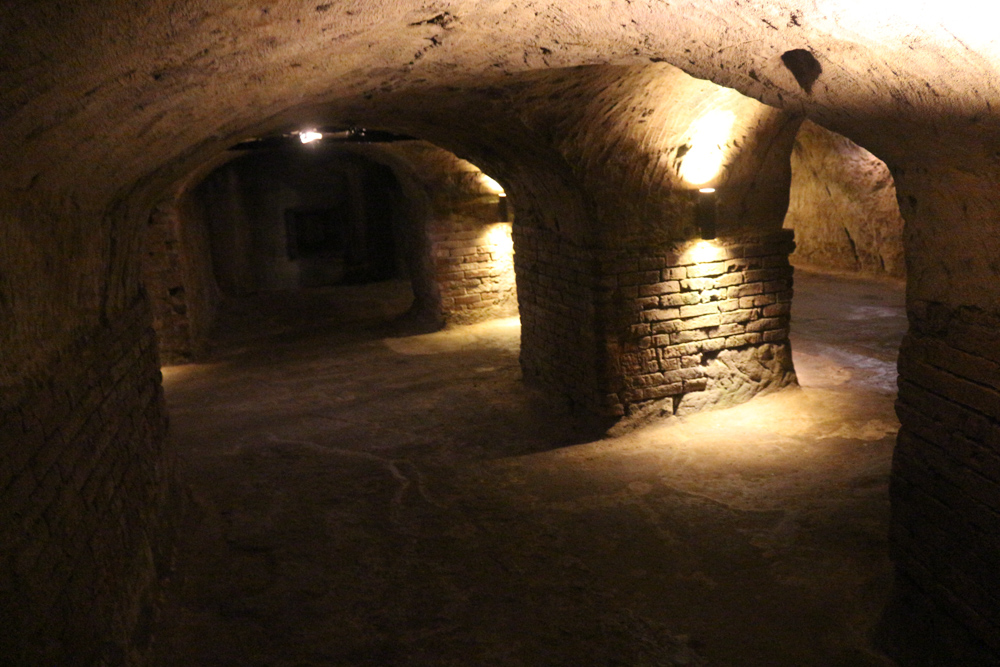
[(803, 66)]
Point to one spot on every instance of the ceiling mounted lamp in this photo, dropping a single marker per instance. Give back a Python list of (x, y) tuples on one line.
[(310, 136), (324, 135)]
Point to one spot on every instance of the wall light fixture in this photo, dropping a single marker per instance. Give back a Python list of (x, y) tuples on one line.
[(706, 212), (503, 214)]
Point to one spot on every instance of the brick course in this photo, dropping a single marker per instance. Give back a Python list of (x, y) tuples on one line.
[(558, 327), (162, 274), (723, 307), (177, 274)]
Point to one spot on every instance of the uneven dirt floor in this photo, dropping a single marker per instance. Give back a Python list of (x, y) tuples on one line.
[(364, 497)]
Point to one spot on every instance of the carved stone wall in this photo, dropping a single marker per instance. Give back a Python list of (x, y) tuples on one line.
[(843, 206)]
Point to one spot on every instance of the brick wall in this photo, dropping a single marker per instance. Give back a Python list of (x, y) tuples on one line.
[(473, 267), (703, 324), (688, 326), (84, 485), (556, 282), (946, 488), (177, 273), (164, 280)]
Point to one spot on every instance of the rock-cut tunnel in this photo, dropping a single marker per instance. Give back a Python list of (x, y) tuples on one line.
[(647, 151)]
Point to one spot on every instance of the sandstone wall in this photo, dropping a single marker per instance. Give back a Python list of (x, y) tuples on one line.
[(843, 207)]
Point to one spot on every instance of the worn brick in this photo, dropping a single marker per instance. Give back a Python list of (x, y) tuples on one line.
[(666, 326), (748, 289), (777, 310), (699, 309), (647, 302), (764, 324), (726, 330), (764, 300), (776, 336), (696, 384), (661, 314), (713, 344), (706, 269), (698, 284), (730, 279), (729, 305), (703, 322), (738, 316), (688, 336), (743, 340), (657, 289)]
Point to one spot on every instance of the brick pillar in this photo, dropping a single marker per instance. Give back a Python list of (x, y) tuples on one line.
[(689, 326), (946, 490), (473, 267), (556, 283), (87, 501), (703, 324)]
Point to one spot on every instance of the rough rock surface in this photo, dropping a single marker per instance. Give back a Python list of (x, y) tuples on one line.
[(842, 206)]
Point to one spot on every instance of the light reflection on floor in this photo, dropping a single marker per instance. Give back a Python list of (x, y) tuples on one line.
[(377, 499)]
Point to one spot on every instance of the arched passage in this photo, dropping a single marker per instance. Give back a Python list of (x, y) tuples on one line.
[(105, 107), (300, 216)]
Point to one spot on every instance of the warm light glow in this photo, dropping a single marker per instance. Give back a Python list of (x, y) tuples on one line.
[(706, 191), (491, 185), (962, 25), (705, 251), (500, 238), (309, 136), (709, 135)]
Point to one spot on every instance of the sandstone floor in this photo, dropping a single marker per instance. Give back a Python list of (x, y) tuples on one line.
[(359, 496)]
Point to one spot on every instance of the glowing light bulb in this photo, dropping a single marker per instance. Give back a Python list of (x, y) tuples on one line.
[(709, 135), (309, 136), (705, 251)]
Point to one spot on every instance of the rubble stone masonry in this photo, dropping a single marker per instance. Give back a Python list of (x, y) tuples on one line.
[(85, 484)]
